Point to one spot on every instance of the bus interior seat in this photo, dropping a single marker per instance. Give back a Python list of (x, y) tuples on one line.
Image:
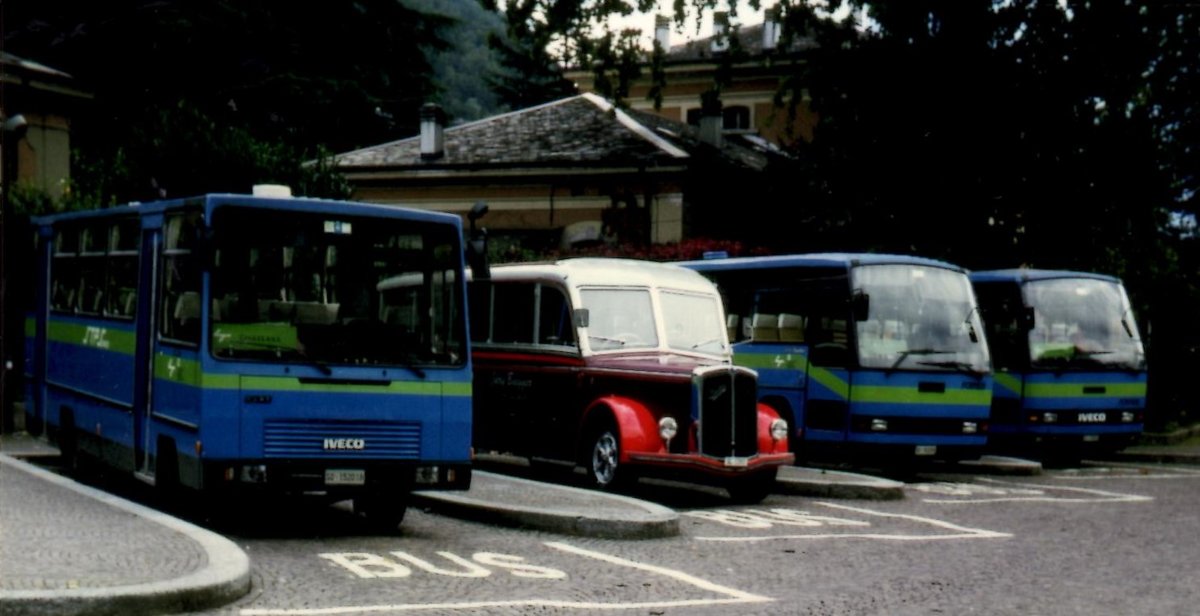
[(791, 327), (187, 307), (315, 313), (764, 327)]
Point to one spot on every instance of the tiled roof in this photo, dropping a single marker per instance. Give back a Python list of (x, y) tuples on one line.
[(583, 130), (580, 130), (749, 37)]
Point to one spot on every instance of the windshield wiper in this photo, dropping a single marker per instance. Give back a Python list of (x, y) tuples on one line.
[(906, 353), (961, 366), (705, 343), (617, 341)]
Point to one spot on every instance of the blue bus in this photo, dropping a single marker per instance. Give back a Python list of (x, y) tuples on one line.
[(1070, 366), (865, 355), (243, 342)]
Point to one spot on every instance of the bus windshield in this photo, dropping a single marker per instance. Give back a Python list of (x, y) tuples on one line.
[(305, 288), (624, 319), (1082, 323), (918, 318)]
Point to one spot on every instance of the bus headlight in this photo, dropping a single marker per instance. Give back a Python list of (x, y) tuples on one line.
[(879, 425), (667, 429), (1127, 416), (779, 429), (1050, 417), (970, 427)]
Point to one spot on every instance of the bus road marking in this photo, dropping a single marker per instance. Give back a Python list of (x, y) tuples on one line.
[(728, 595), (755, 519), (1011, 492)]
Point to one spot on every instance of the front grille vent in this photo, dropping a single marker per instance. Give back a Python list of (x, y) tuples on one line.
[(342, 440), (728, 412)]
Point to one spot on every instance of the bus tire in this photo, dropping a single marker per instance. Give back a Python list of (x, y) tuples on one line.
[(603, 458), (384, 510), (166, 471), (68, 443)]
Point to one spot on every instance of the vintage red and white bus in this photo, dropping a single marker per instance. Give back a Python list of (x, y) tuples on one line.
[(621, 366)]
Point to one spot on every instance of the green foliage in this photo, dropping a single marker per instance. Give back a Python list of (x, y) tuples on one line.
[(200, 97)]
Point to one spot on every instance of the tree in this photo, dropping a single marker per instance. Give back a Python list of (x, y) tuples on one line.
[(275, 80)]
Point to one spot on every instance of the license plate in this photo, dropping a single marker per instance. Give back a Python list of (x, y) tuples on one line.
[(345, 477), (925, 450), (737, 462), (1091, 438)]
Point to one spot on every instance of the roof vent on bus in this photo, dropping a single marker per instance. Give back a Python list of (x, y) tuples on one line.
[(272, 190)]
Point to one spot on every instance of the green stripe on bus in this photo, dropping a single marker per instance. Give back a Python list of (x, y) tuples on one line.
[(1008, 382), (830, 380), (188, 372), (910, 395), (92, 336), (1075, 390), (772, 361)]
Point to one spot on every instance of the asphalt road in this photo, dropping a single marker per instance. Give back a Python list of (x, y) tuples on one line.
[(1094, 541)]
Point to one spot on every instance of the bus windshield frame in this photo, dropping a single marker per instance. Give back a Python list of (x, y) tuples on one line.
[(917, 318), (307, 288), (1081, 323)]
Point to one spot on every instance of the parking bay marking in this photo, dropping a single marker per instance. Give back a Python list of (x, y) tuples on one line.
[(1018, 492), (1119, 470), (730, 596), (758, 519)]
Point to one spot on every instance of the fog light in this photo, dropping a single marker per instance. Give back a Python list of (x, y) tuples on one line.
[(427, 475), (1127, 417), (779, 429), (1050, 417), (970, 427), (879, 425), (667, 429), (256, 473)]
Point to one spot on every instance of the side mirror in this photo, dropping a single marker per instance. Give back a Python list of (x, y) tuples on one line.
[(477, 245), (861, 305), (1027, 318), (581, 317)]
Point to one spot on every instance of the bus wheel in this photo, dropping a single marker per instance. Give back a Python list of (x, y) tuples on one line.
[(68, 450), (166, 471), (604, 459), (383, 510), (751, 490)]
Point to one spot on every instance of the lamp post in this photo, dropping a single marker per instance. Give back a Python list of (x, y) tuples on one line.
[(14, 130)]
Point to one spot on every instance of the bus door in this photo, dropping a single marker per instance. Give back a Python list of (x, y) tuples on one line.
[(173, 333), (144, 351), (827, 401)]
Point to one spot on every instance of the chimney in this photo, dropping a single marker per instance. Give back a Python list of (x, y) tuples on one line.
[(662, 31), (433, 119), (720, 35), (711, 120), (770, 32)]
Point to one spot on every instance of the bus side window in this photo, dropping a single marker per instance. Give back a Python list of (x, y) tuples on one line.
[(554, 319), (91, 270), (513, 311), (64, 271), (180, 304)]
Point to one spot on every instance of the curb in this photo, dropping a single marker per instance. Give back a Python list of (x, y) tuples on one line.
[(1003, 465), (824, 483), (1169, 438), (225, 579), (653, 521), (1153, 458)]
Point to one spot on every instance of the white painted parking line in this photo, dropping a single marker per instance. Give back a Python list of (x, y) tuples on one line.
[(1010, 492), (372, 565), (1125, 470), (755, 520)]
